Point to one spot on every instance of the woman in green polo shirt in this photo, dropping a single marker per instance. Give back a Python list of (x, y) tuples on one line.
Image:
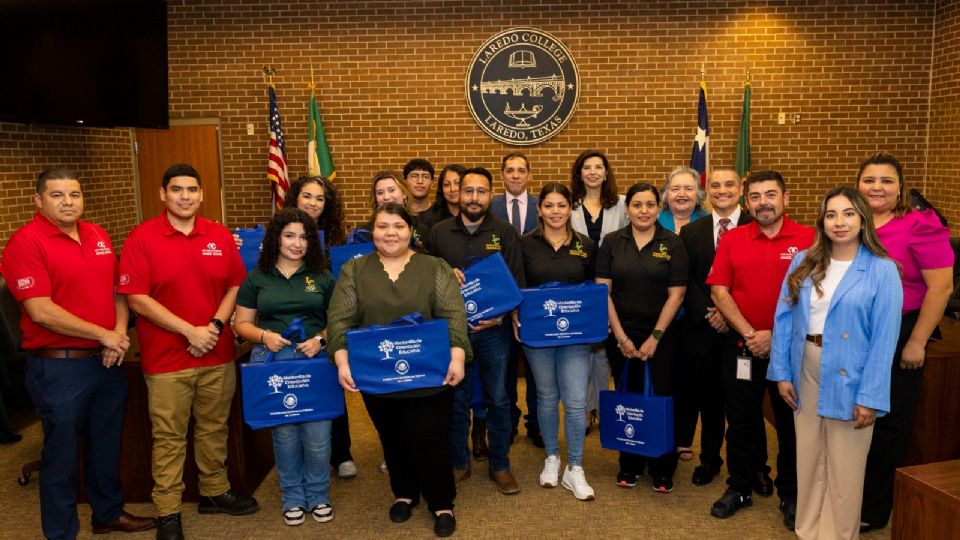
[(290, 282)]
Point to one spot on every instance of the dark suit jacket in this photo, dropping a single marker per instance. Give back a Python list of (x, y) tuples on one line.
[(499, 208), (698, 239)]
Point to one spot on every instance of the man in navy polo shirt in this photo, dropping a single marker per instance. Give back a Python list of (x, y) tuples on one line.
[(62, 270)]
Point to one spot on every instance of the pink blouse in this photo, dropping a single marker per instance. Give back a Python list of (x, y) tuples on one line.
[(918, 241)]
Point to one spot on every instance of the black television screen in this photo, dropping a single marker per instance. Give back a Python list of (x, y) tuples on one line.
[(84, 62)]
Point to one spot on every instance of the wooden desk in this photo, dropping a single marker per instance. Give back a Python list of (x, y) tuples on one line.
[(249, 452), (935, 436), (926, 502)]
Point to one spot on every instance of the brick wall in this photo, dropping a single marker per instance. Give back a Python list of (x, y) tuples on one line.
[(943, 168), (101, 157), (390, 84)]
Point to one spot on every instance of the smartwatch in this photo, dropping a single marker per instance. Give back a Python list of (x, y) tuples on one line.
[(320, 339), (218, 323), (657, 334)]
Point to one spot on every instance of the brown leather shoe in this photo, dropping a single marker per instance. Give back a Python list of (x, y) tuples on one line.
[(506, 483), (459, 475), (126, 523)]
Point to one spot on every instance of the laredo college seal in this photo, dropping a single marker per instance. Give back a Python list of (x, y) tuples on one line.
[(522, 86)]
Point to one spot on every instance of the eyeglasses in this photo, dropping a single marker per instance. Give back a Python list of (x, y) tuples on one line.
[(470, 192)]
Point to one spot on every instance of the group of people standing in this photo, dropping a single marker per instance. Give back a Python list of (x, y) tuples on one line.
[(725, 302)]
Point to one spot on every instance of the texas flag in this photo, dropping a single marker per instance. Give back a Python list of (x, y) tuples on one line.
[(700, 156)]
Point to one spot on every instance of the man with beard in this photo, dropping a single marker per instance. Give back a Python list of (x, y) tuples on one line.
[(745, 282), (476, 232)]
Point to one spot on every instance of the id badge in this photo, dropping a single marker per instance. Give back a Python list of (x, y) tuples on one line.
[(744, 368)]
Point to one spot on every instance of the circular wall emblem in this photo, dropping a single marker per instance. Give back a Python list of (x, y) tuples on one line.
[(522, 86), (289, 401)]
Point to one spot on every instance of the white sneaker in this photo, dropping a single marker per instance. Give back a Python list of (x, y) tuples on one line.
[(347, 469), (576, 481), (551, 472), (294, 516), (323, 513)]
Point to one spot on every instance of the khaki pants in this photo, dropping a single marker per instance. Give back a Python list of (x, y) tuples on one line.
[(831, 460), (206, 392)]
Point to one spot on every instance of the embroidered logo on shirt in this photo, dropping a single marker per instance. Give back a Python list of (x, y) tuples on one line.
[(124, 279), (25, 283), (578, 251), (311, 285), (102, 249), (788, 256), (493, 244), (212, 251), (662, 252)]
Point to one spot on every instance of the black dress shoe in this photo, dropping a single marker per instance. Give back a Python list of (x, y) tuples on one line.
[(763, 485), (704, 474), (228, 503), (169, 527), (729, 503), (400, 511), (10, 438), (789, 509), (444, 524)]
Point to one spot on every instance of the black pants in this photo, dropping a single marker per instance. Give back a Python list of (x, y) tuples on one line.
[(415, 434), (699, 393), (891, 433), (532, 425), (662, 367), (746, 435), (340, 440)]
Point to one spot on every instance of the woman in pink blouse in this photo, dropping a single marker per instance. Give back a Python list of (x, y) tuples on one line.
[(921, 245)]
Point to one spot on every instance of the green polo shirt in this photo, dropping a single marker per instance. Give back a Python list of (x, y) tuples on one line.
[(279, 300)]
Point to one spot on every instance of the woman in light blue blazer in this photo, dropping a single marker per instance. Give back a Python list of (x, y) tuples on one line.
[(834, 334), (598, 210)]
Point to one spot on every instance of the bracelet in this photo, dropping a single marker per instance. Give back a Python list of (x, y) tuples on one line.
[(261, 336), (624, 340)]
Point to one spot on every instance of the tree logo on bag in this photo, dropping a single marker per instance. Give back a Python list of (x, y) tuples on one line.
[(470, 306), (402, 366), (620, 410), (386, 347), (275, 382), (563, 324), (550, 305), (289, 401), (629, 431)]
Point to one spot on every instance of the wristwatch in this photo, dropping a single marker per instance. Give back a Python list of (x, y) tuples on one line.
[(218, 323), (657, 334), (320, 339)]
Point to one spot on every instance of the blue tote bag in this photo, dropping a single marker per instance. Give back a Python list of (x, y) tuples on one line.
[(287, 387), (489, 289), (355, 247), (252, 243), (407, 354), (636, 423), (558, 314)]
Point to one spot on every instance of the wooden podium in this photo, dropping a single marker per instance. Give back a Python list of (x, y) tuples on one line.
[(935, 436), (926, 502)]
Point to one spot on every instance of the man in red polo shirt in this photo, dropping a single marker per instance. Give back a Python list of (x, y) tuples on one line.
[(745, 281), (62, 271), (181, 273)]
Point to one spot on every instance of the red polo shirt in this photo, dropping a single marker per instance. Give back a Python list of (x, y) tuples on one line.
[(753, 266), (189, 274), (40, 260)]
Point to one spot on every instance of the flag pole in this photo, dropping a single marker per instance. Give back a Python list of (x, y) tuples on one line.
[(702, 73), (268, 73)]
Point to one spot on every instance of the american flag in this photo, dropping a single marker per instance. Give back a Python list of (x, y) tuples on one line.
[(700, 155), (277, 160)]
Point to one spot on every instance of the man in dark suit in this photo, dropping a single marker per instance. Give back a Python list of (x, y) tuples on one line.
[(703, 327), (519, 207)]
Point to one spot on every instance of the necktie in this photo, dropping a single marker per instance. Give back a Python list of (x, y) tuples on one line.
[(515, 216), (724, 227)]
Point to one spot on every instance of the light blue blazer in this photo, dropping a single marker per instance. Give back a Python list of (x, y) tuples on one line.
[(859, 337)]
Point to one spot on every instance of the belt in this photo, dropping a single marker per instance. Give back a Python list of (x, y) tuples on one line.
[(66, 354), (815, 339)]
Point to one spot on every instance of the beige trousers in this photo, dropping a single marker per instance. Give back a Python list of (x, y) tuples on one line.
[(831, 459), (206, 393)]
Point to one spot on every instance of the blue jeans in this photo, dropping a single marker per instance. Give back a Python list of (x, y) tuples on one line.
[(302, 453), (491, 351), (561, 373)]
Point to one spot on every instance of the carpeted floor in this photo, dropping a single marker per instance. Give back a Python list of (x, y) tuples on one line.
[(361, 503)]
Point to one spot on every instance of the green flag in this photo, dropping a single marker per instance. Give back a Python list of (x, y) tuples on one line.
[(743, 140), (318, 153)]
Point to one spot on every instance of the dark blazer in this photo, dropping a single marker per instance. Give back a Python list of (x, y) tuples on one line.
[(499, 207), (698, 239)]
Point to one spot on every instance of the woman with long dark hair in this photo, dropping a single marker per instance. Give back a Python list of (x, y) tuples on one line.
[(447, 202), (834, 333), (290, 282)]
